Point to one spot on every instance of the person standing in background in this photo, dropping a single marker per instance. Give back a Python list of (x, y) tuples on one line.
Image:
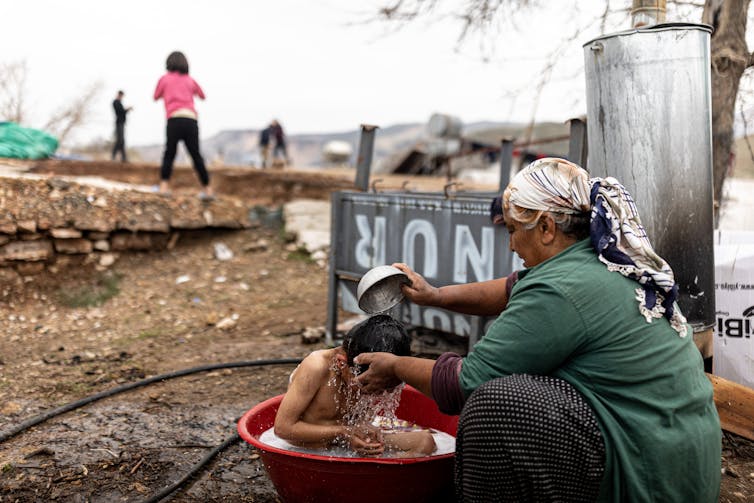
[(280, 149), (264, 145), (177, 90), (120, 127)]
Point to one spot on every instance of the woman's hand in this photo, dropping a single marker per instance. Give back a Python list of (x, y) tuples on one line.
[(365, 439), (418, 291), (381, 373)]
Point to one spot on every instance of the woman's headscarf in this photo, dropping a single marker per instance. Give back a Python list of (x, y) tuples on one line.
[(617, 235)]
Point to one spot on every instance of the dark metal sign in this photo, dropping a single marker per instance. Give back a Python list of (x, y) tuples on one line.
[(447, 240)]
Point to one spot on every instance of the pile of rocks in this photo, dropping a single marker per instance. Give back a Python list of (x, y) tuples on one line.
[(44, 217)]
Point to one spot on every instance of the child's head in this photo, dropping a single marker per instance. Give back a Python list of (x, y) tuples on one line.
[(379, 333)]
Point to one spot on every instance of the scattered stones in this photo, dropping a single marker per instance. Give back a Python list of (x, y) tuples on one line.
[(29, 236), (29, 226), (107, 259), (258, 246), (730, 472), (73, 246), (312, 335), (27, 250), (101, 245), (222, 252), (212, 318), (8, 227), (226, 323), (65, 233), (95, 225)]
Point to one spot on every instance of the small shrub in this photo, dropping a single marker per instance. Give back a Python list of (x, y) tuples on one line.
[(300, 254), (105, 287)]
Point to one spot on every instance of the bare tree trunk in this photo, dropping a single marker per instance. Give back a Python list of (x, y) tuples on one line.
[(730, 57)]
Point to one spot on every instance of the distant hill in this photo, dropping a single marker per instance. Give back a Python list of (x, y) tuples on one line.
[(240, 147)]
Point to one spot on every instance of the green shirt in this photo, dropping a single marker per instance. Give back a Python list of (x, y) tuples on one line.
[(571, 318)]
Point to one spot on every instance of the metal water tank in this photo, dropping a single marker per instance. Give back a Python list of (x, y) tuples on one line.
[(649, 126)]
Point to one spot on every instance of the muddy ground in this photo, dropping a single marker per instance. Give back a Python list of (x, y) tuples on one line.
[(77, 330), (127, 447)]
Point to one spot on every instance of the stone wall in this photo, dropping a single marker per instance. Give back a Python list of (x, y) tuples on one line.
[(42, 218)]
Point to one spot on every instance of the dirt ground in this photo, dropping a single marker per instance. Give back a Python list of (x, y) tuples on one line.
[(128, 447), (77, 330)]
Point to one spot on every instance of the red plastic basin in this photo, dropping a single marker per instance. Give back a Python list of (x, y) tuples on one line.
[(310, 478)]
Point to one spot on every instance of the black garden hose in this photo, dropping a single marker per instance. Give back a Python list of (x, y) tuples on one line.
[(132, 385), (144, 382), (167, 491)]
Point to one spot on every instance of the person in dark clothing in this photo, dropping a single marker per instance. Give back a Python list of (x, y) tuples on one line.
[(264, 145), (280, 149), (120, 127)]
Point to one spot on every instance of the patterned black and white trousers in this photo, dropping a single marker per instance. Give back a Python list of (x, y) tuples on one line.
[(527, 438)]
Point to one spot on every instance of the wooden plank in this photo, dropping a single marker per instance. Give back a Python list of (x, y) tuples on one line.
[(735, 406)]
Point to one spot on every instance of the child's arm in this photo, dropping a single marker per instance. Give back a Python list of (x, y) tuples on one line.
[(288, 423), (301, 391), (412, 443)]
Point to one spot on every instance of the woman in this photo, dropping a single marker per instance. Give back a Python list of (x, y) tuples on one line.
[(177, 90), (587, 387)]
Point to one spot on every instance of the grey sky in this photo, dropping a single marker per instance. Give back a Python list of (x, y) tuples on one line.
[(308, 63)]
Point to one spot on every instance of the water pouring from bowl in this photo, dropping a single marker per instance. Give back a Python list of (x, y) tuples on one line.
[(380, 289)]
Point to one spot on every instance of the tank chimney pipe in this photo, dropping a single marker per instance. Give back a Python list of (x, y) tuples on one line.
[(364, 159), (647, 12)]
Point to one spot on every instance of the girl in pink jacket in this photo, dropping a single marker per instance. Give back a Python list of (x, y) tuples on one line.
[(177, 90)]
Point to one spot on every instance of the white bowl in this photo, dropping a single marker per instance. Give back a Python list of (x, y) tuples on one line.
[(380, 289)]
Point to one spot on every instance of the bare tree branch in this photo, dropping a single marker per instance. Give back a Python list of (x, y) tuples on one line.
[(474, 16), (690, 4), (73, 115)]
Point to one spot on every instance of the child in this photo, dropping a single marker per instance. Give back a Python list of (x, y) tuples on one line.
[(322, 405)]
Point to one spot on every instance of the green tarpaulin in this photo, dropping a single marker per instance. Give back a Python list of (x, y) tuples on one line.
[(25, 143)]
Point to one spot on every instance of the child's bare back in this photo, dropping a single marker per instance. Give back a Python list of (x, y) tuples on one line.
[(320, 393), (316, 370)]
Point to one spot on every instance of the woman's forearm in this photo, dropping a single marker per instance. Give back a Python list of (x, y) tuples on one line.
[(485, 298), (415, 371)]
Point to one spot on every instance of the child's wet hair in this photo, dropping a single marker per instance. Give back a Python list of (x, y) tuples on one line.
[(379, 333)]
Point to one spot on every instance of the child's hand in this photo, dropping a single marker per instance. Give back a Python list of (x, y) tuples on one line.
[(365, 439)]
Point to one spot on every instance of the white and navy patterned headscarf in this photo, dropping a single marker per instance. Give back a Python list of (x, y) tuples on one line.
[(617, 235)]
